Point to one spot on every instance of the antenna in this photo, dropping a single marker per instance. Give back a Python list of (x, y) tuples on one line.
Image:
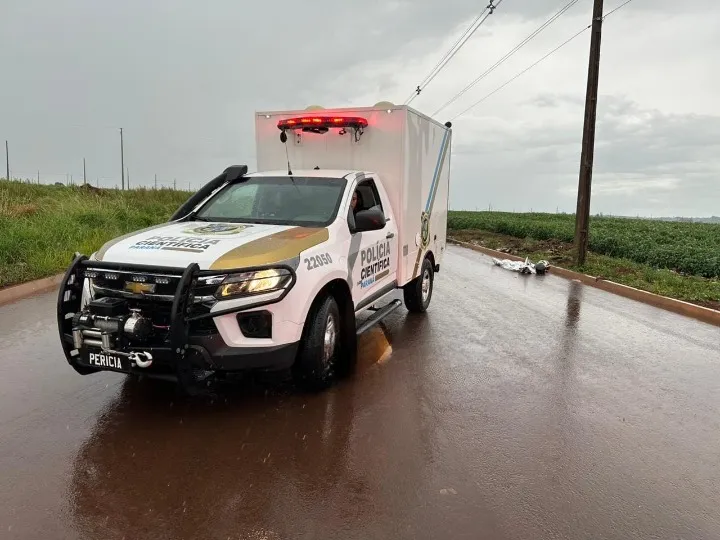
[(288, 160), (283, 139)]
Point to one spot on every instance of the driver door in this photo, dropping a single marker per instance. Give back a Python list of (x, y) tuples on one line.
[(373, 254)]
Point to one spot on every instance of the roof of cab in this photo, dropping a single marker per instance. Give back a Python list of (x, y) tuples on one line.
[(313, 173)]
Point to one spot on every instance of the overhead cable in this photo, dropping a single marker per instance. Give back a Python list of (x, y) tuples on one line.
[(537, 62), (509, 54), (522, 72), (474, 25), (617, 8)]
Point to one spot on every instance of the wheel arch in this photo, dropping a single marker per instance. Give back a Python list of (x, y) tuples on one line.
[(430, 255), (339, 289)]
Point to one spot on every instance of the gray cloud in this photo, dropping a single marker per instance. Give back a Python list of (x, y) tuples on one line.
[(661, 164), (184, 79)]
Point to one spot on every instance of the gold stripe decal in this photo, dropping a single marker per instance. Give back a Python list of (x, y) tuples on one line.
[(271, 249)]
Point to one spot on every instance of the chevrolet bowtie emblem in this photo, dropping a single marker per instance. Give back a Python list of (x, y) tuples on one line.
[(139, 288)]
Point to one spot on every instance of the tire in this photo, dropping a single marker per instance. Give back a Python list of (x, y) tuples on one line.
[(413, 291), (319, 352)]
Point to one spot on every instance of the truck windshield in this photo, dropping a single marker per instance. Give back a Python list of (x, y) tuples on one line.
[(281, 200)]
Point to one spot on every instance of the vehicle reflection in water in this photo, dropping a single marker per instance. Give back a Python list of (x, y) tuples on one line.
[(253, 461), (563, 432), (569, 335), (374, 347)]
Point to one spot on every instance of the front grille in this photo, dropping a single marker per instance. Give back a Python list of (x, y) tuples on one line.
[(157, 303), (124, 284), (141, 285)]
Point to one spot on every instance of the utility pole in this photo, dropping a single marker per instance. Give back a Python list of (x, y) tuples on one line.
[(156, 181), (7, 162), (38, 178), (582, 215), (84, 173), (174, 184), (122, 159), (127, 173)]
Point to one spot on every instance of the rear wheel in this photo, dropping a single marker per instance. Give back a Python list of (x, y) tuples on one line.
[(418, 292), (317, 358)]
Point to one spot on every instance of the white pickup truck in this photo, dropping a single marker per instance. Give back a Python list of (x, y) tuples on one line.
[(270, 270)]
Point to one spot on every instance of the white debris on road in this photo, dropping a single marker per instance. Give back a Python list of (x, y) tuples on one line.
[(526, 267)]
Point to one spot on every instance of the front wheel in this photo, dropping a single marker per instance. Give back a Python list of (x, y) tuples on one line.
[(418, 292), (318, 355)]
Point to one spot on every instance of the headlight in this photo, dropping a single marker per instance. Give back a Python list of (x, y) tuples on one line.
[(249, 283)]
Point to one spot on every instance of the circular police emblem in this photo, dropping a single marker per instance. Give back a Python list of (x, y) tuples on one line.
[(425, 229), (216, 228)]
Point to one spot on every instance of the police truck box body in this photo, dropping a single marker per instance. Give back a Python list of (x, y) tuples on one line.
[(273, 269)]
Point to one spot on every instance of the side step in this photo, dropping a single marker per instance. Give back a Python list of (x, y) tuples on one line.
[(378, 316)]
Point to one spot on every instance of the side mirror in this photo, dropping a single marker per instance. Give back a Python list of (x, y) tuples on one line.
[(371, 219)]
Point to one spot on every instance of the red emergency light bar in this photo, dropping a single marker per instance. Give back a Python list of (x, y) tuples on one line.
[(323, 122)]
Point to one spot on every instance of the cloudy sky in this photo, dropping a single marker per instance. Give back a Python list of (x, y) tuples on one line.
[(184, 78)]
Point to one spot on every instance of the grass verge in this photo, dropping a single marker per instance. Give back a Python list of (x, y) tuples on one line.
[(698, 290), (42, 226), (688, 248)]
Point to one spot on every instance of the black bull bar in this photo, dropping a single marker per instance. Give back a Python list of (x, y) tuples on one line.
[(176, 343)]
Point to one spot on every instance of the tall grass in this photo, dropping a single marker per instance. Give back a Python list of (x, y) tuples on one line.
[(690, 248), (42, 226)]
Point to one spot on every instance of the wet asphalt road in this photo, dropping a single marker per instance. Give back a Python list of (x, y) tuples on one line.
[(520, 407)]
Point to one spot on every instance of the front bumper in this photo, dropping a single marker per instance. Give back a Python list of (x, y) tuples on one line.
[(221, 357), (183, 347), (212, 356)]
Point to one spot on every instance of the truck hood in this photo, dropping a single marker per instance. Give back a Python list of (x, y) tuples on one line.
[(214, 246)]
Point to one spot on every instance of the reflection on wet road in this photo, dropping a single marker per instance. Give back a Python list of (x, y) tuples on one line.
[(518, 407)]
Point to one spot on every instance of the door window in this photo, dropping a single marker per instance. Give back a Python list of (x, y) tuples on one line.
[(367, 197)]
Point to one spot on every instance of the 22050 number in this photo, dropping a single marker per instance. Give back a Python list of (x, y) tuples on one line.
[(317, 261)]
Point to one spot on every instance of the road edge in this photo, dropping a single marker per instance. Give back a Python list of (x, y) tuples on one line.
[(14, 293), (710, 316)]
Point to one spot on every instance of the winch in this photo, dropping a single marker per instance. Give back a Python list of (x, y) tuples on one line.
[(108, 323)]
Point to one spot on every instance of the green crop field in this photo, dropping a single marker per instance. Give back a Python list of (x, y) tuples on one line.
[(42, 226), (684, 247)]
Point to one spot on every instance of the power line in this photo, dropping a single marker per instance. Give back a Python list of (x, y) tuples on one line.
[(449, 54), (556, 49), (509, 54), (614, 10), (477, 23), (469, 29)]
